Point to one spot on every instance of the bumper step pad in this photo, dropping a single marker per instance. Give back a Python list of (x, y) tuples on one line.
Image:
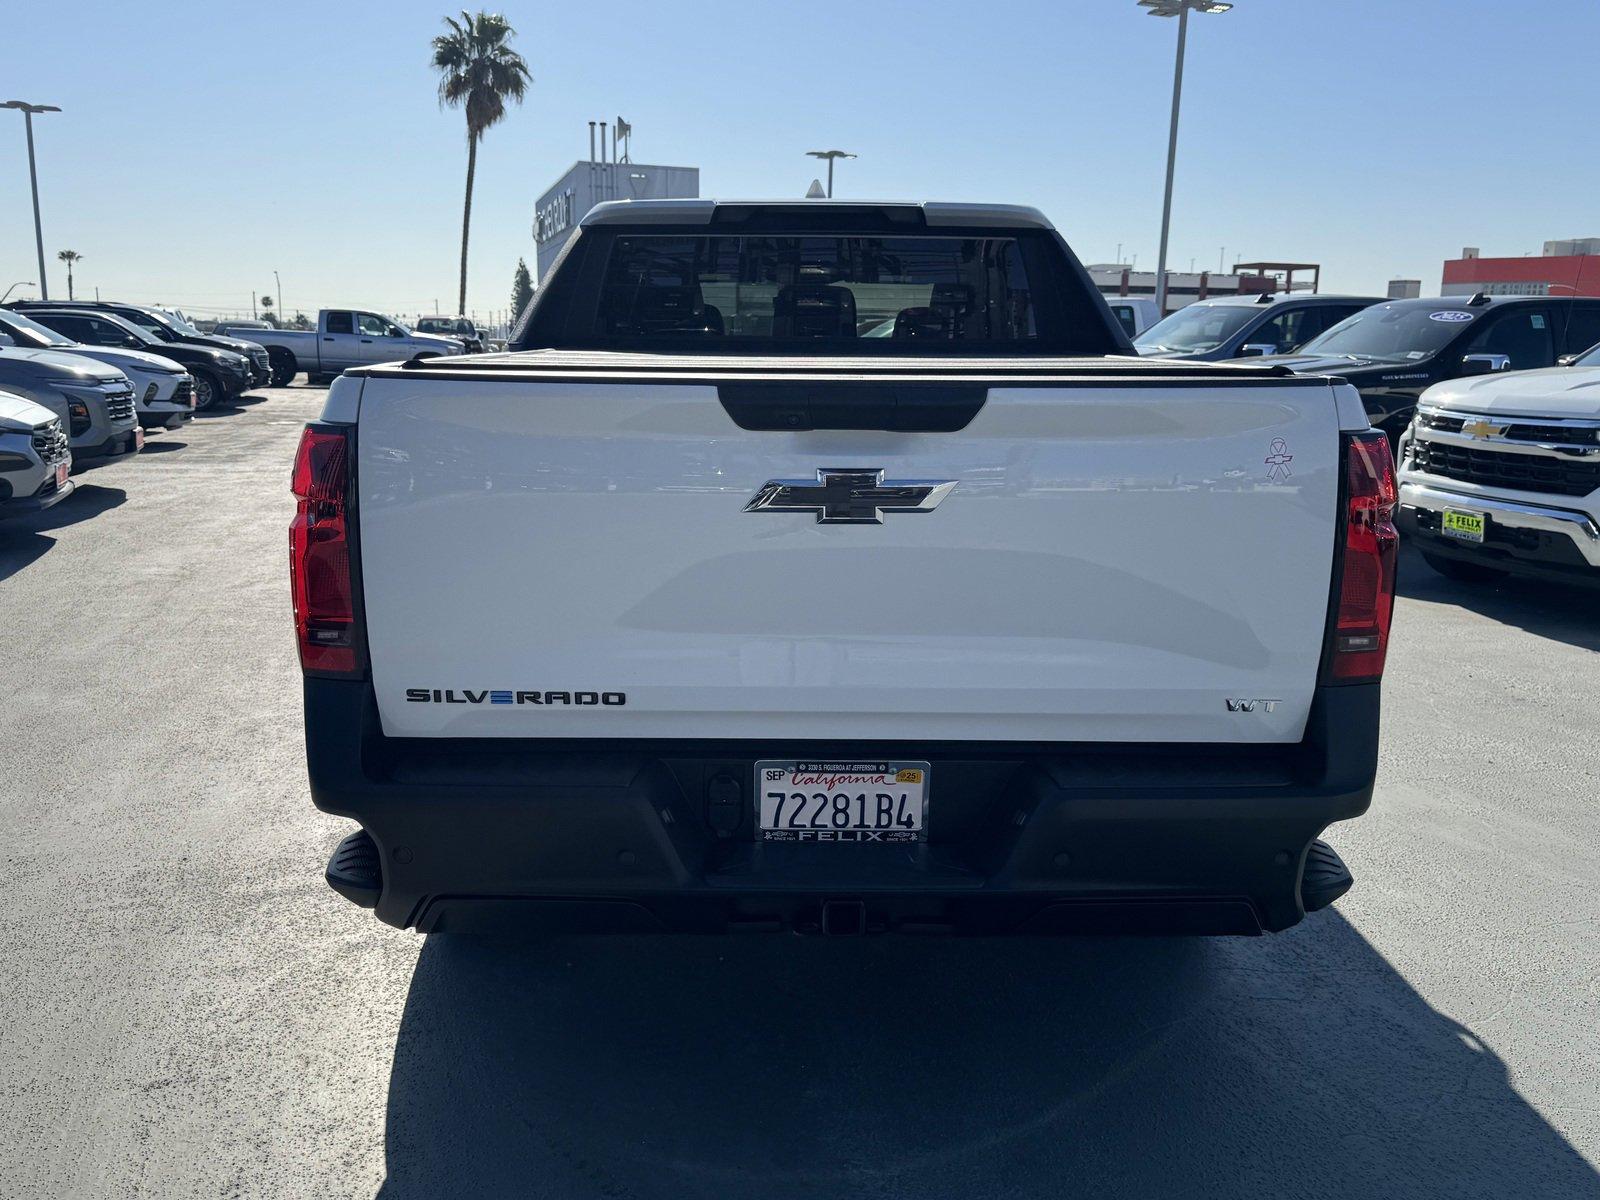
[(355, 871), (1325, 879)]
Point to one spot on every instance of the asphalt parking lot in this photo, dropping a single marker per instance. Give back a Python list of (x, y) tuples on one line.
[(188, 1011)]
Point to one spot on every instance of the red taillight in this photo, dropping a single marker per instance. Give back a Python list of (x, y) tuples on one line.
[(1371, 544), (319, 553)]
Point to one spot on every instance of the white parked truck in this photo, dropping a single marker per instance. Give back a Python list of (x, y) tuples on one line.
[(698, 610), (1500, 474), (343, 338)]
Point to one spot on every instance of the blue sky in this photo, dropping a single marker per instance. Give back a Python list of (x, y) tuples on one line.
[(204, 145)]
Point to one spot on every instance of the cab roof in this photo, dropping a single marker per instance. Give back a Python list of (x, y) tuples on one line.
[(733, 212)]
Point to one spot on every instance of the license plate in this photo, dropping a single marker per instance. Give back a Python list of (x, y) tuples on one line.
[(841, 801), (138, 439), (61, 475), (1466, 526)]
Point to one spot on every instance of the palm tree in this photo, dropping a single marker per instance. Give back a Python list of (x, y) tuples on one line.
[(478, 70), (69, 257)]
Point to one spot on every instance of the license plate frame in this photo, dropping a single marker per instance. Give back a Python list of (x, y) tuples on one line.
[(880, 797), (1464, 525), (62, 470)]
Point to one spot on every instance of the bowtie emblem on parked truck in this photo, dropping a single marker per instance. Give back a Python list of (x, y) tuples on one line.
[(850, 496)]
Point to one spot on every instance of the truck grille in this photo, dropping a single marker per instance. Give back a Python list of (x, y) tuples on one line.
[(119, 404), (259, 357), (1519, 472), (1574, 433), (50, 443)]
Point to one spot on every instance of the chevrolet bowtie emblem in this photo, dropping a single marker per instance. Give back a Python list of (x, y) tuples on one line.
[(1482, 429), (850, 496)]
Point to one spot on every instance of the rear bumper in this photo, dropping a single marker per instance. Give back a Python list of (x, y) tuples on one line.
[(1023, 839), (1530, 538)]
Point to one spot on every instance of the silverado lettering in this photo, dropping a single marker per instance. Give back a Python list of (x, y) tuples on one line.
[(467, 696)]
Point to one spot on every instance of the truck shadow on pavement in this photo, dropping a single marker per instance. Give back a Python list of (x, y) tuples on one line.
[(1560, 612), (1301, 1065), (24, 540)]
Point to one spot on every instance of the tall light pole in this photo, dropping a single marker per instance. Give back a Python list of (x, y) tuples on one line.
[(1179, 9), (33, 175), (15, 286), (830, 155), (279, 282)]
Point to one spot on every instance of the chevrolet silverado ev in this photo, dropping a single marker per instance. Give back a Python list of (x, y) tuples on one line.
[(697, 610)]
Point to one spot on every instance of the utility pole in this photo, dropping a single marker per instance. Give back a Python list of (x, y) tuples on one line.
[(33, 178)]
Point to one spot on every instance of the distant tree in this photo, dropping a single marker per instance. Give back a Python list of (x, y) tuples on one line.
[(521, 290), (301, 321), (267, 314), (478, 70), (69, 257)]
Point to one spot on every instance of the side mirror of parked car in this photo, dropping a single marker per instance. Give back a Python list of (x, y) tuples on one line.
[(1255, 348), (1566, 360), (1485, 364)]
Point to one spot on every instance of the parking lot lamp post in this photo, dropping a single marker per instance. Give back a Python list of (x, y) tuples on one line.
[(15, 286), (830, 155), (1179, 9), (33, 175), (279, 282)]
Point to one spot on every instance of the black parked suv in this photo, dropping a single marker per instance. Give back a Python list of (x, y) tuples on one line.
[(1393, 352), (164, 327), (219, 375), (1237, 326)]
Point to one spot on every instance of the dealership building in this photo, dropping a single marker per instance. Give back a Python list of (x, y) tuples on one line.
[(1569, 267), (556, 213)]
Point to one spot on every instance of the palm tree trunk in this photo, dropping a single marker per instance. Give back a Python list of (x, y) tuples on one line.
[(69, 281), (466, 217)]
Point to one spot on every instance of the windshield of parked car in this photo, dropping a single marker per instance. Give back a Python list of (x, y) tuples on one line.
[(31, 333), (1394, 332), (183, 327), (1589, 358), (154, 329), (1198, 328)]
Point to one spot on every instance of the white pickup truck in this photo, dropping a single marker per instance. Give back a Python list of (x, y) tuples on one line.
[(344, 337), (697, 610), (1500, 474)]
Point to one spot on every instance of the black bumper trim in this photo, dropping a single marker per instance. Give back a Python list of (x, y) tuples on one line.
[(1023, 838)]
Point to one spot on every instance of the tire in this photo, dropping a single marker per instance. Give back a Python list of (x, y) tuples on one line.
[(208, 391), (283, 364), (1462, 571)]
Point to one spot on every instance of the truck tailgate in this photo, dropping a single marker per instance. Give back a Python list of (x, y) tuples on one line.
[(1126, 555)]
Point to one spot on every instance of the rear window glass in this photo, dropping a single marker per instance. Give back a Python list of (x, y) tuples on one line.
[(973, 291)]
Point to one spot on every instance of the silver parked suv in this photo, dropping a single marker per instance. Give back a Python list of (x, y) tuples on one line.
[(94, 401), (34, 457)]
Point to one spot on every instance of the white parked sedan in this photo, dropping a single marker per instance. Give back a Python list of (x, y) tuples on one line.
[(1500, 474), (163, 391)]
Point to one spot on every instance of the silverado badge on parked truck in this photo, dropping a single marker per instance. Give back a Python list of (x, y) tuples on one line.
[(850, 495)]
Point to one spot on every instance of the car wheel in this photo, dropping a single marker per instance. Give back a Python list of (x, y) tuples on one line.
[(284, 367), (207, 390), (1462, 571)]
